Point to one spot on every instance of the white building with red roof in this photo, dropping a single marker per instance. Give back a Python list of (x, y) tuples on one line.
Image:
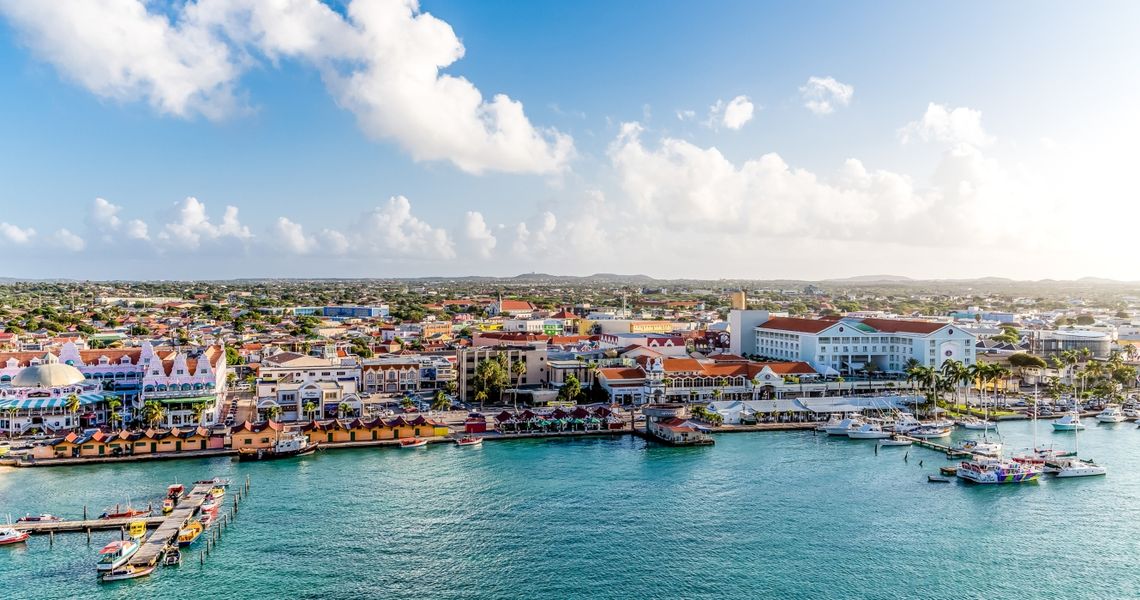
[(851, 346)]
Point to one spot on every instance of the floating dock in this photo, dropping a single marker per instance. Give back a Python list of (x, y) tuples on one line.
[(88, 525), (156, 544), (950, 453)]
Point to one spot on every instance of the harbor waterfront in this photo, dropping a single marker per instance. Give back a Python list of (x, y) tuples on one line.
[(775, 514)]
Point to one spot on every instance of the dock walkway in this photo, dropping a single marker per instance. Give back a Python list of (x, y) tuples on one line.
[(88, 525), (173, 523), (950, 453)]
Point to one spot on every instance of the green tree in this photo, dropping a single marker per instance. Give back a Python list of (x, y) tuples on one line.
[(113, 404), (273, 413), (72, 406), (441, 402), (153, 412), (309, 407), (571, 390), (233, 357)]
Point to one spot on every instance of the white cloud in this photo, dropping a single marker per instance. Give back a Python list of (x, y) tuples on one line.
[(382, 61), (535, 236), (391, 230), (478, 235), (292, 236), (192, 226), (105, 221), (823, 94), (118, 49), (733, 114), (16, 235), (686, 115), (68, 240), (954, 126)]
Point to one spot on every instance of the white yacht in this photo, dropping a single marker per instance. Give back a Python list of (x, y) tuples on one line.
[(905, 423), (980, 447), (1070, 422), (976, 424), (1075, 467), (929, 432), (1111, 414), (844, 426), (869, 431)]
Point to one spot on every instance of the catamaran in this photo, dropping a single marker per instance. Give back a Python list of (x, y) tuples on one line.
[(998, 470)]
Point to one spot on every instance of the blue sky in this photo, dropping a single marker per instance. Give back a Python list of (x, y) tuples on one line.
[(971, 135)]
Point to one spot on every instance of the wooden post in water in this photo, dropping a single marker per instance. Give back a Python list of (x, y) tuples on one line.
[(201, 558), (84, 512), (88, 536), (122, 533), (51, 538)]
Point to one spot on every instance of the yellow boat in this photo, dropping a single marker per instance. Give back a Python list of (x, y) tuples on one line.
[(218, 492), (190, 533)]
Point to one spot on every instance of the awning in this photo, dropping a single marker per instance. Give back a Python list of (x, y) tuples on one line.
[(189, 399), (47, 403), (821, 405)]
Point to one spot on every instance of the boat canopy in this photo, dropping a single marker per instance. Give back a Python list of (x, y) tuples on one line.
[(113, 547)]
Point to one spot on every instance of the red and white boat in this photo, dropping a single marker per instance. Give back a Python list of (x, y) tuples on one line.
[(469, 441), (9, 535), (413, 443)]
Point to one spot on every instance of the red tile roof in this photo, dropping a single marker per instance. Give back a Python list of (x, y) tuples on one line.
[(796, 324)]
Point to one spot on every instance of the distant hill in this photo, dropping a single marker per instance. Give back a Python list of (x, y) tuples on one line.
[(870, 279)]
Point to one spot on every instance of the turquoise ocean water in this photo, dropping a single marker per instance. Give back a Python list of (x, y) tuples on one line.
[(758, 515)]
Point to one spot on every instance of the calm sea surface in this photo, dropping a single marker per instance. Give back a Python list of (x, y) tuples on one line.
[(759, 515)]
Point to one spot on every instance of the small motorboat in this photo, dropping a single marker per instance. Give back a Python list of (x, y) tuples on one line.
[(937, 479), (295, 444), (982, 447), (188, 534), (207, 519), (44, 518), (413, 443), (10, 535), (174, 491), (172, 558), (930, 432), (218, 492), (167, 505), (211, 505), (218, 481), (469, 441), (894, 442), (949, 471), (842, 426), (116, 554), (975, 423), (129, 572)]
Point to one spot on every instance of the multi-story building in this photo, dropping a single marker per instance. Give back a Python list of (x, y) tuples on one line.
[(468, 359), (850, 346), (341, 312), (291, 381)]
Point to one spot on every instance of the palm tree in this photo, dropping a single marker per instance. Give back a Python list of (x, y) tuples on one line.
[(72, 406), (153, 412), (309, 408), (518, 369), (12, 412), (273, 413), (342, 409), (755, 384), (199, 410), (441, 401), (113, 404)]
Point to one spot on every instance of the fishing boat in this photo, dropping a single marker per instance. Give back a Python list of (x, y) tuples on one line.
[(10, 535), (44, 518), (905, 423), (469, 441), (842, 426), (997, 470), (293, 444), (413, 443), (210, 505), (175, 490), (1111, 414), (1070, 422), (894, 442), (218, 492), (167, 505), (1074, 467), (930, 432), (190, 532), (5, 447), (982, 447), (124, 513), (869, 431), (129, 572), (116, 554)]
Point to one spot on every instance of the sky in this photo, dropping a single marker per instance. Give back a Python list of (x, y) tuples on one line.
[(386, 138)]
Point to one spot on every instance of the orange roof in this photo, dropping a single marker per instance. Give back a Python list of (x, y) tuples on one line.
[(681, 364), (795, 324), (614, 373), (515, 305)]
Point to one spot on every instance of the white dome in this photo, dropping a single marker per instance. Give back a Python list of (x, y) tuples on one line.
[(48, 375)]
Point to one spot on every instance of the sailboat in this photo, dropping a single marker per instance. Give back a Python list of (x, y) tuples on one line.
[(1073, 466)]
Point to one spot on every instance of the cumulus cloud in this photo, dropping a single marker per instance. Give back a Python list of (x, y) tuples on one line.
[(68, 240), (105, 221), (192, 226), (391, 230), (478, 235), (292, 236), (535, 236), (16, 235), (382, 60), (733, 114), (948, 125), (120, 50), (823, 94)]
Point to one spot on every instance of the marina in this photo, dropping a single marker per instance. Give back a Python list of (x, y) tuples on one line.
[(804, 485)]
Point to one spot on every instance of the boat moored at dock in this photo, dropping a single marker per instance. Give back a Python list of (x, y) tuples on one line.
[(413, 443), (115, 554), (129, 572), (292, 444), (869, 431), (44, 518), (1075, 467), (996, 470), (9, 535), (1070, 422), (469, 441), (1111, 414)]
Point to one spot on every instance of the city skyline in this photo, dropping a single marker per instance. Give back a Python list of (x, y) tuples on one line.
[(224, 139)]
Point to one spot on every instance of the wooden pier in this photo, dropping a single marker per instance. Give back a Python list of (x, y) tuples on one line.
[(88, 525), (167, 532), (950, 453)]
